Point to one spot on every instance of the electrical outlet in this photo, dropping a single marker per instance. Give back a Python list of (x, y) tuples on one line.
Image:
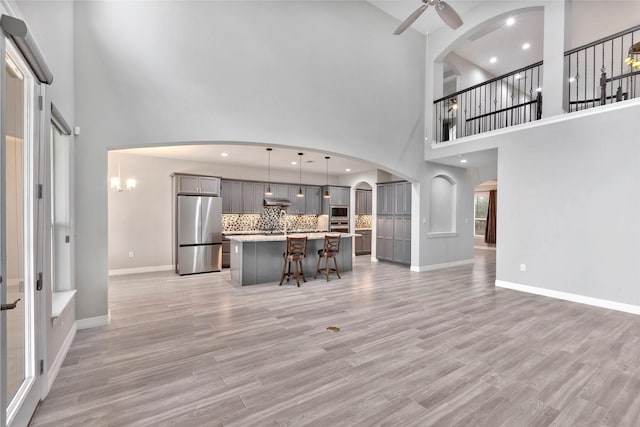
[(131, 254), (523, 267)]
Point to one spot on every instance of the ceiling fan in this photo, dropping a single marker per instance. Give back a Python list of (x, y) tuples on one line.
[(446, 12)]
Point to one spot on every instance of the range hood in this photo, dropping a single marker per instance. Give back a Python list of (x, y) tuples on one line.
[(276, 201)]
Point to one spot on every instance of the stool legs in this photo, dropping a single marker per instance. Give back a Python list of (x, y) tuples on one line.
[(298, 271)]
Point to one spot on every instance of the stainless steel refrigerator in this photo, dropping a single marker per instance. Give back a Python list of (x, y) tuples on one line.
[(199, 234)]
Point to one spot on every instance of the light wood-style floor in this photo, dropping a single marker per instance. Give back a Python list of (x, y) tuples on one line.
[(440, 348)]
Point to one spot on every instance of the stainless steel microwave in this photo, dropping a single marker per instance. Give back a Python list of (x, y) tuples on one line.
[(339, 211)]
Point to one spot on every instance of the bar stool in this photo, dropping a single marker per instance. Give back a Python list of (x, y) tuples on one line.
[(330, 250), (296, 250)]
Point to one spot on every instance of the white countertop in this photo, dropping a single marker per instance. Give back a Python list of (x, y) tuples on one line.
[(281, 237)]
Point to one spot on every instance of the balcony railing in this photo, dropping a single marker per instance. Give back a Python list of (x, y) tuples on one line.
[(507, 100), (598, 74)]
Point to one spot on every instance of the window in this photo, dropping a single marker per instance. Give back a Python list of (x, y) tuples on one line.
[(60, 165), (481, 209)]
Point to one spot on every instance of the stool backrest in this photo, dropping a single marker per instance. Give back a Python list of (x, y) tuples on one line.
[(332, 243), (297, 246)]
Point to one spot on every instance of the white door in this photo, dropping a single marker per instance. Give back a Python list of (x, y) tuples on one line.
[(22, 220)]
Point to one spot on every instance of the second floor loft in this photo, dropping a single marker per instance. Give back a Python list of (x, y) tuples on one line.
[(599, 72)]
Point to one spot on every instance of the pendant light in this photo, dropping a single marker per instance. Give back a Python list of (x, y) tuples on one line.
[(269, 192), (300, 193), (326, 194)]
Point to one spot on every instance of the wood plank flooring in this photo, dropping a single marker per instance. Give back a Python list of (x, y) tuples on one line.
[(443, 348)]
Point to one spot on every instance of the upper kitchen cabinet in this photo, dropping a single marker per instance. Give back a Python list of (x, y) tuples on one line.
[(297, 203), (339, 196), (313, 200), (197, 184), (252, 197), (280, 191), (386, 199), (364, 202), (403, 198), (231, 197)]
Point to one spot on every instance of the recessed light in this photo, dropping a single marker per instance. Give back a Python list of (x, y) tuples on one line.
[(294, 163), (463, 161), (493, 59), (224, 154), (572, 79), (510, 21), (347, 170), (526, 46)]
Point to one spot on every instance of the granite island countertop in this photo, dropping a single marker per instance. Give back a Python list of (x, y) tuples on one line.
[(281, 237)]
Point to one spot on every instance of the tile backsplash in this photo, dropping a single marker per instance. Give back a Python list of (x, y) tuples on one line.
[(363, 221), (270, 219)]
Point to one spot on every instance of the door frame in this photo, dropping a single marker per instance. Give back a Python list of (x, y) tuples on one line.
[(19, 411)]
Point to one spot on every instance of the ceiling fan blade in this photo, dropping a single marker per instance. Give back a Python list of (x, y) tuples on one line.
[(448, 15), (410, 20)]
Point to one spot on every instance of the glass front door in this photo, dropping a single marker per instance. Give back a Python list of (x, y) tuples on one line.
[(20, 370)]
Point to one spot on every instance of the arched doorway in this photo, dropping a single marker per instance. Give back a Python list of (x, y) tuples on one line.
[(484, 215)]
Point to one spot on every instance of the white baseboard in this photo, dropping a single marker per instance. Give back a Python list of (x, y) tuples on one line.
[(374, 259), (421, 268), (93, 322), (136, 270), (597, 302), (55, 366)]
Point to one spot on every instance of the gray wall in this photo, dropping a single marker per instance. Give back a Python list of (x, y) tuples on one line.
[(308, 74), (569, 207)]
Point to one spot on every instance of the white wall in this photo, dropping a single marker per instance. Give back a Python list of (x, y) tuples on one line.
[(592, 20), (140, 220), (567, 205), (265, 72)]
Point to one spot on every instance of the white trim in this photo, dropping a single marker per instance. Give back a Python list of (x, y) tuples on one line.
[(60, 301), (438, 234), (374, 259), (136, 270), (93, 322), (597, 302), (421, 268), (55, 366)]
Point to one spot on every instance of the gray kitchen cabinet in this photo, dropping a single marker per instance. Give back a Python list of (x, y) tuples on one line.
[(366, 242), (195, 184), (339, 196), (297, 203), (386, 199), (369, 203), (384, 238), (312, 200), (363, 242), (402, 240), (280, 191), (209, 185), (403, 198), (393, 239), (252, 197), (231, 197), (363, 202)]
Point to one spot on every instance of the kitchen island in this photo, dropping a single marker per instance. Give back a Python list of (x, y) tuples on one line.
[(258, 258)]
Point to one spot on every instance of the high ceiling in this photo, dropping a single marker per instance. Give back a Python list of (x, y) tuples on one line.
[(494, 39)]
